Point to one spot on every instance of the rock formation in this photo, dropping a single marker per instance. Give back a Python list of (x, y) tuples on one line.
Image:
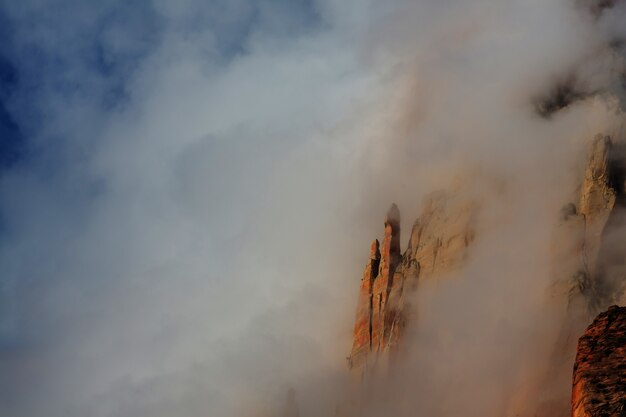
[(588, 272), (363, 341), (599, 386), (579, 236), (375, 287), (577, 269), (587, 259), (437, 245), (589, 266)]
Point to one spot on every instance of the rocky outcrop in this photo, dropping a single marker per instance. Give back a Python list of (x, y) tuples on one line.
[(597, 198), (579, 235), (589, 267), (599, 385), (389, 260), (441, 234), (588, 272), (362, 340), (376, 284), (580, 262), (437, 245)]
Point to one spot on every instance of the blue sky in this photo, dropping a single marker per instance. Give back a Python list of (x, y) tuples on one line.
[(41, 42)]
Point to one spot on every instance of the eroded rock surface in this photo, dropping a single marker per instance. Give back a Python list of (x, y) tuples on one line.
[(588, 271), (437, 245), (583, 260), (589, 266), (374, 292), (599, 386)]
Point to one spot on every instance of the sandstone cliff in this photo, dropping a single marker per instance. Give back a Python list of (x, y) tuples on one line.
[(588, 268), (579, 235), (599, 386), (437, 245), (589, 244)]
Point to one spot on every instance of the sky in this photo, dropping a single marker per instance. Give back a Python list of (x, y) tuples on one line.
[(188, 189)]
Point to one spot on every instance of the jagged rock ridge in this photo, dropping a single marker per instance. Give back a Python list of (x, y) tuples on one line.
[(589, 266), (437, 245)]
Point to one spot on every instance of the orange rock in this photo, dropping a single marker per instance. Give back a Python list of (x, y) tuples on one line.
[(369, 327), (438, 241), (599, 386), (362, 342)]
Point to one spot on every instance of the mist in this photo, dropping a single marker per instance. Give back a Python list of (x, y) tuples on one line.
[(184, 226)]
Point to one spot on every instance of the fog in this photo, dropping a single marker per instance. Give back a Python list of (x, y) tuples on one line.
[(186, 226)]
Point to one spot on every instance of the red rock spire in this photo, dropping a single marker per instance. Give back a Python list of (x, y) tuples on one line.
[(369, 327)]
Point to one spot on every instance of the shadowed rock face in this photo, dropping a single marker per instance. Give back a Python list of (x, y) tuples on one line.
[(564, 93), (599, 386)]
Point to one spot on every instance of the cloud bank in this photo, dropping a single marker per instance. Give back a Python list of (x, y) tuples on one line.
[(196, 183)]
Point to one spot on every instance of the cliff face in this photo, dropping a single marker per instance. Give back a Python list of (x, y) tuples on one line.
[(588, 274), (437, 245), (579, 235), (587, 262), (589, 243), (580, 287), (599, 387), (376, 283)]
